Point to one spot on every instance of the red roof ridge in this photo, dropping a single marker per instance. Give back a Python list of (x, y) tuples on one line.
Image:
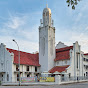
[(21, 51), (58, 68), (61, 66), (64, 49), (86, 54)]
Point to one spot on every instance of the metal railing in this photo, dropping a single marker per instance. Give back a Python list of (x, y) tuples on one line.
[(64, 79)]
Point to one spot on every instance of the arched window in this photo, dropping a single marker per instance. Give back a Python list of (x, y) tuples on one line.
[(46, 13), (43, 14)]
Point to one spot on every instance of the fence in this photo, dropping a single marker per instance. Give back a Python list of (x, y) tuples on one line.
[(66, 79), (30, 79)]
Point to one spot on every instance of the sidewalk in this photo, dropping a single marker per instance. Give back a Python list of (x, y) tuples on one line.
[(72, 82), (29, 84), (43, 83)]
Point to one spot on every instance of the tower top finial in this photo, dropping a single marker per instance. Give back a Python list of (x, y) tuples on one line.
[(46, 5)]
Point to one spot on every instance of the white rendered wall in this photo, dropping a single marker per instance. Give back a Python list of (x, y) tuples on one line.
[(51, 47), (46, 57), (62, 63), (85, 63), (60, 45), (6, 60), (24, 72), (43, 58), (73, 64), (8, 67)]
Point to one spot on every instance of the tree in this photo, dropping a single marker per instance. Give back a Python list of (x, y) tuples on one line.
[(72, 3)]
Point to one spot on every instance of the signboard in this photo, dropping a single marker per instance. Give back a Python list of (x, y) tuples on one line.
[(28, 79), (47, 79)]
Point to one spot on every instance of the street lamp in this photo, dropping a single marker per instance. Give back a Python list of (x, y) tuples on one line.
[(18, 59)]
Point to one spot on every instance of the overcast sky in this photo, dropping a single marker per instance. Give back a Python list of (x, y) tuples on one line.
[(20, 20)]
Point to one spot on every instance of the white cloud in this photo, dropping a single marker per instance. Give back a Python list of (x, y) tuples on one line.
[(78, 18), (15, 22), (70, 37), (24, 34), (29, 46), (27, 35), (82, 39), (24, 45), (86, 28)]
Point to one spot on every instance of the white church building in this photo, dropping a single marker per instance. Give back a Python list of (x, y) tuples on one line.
[(63, 60)]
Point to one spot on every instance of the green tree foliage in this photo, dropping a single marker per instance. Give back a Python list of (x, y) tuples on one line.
[(72, 3)]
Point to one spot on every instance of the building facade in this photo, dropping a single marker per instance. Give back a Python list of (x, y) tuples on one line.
[(85, 65), (9, 69), (65, 61)]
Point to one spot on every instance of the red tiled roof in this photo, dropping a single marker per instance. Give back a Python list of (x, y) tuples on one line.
[(63, 53), (86, 54), (58, 68), (25, 58), (64, 49)]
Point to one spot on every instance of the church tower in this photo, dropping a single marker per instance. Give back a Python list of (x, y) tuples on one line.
[(46, 41)]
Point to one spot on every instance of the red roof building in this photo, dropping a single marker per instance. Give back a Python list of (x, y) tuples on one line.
[(63, 53), (25, 58)]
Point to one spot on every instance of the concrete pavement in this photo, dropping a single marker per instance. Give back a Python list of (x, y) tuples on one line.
[(75, 85)]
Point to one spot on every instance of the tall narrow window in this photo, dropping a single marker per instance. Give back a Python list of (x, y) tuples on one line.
[(7, 77), (17, 68), (2, 66), (43, 14), (35, 69), (27, 69), (86, 73), (46, 13), (17, 77), (43, 46), (84, 59), (77, 60), (28, 75), (2, 77), (51, 46), (69, 75)]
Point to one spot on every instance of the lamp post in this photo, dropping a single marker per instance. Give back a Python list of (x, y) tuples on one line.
[(18, 59)]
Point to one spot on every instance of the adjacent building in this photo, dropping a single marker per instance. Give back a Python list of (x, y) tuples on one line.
[(9, 69)]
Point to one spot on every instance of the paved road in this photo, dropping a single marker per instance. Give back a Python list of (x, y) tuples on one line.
[(76, 85)]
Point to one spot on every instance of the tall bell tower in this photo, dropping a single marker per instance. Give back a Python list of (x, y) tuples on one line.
[(46, 41)]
